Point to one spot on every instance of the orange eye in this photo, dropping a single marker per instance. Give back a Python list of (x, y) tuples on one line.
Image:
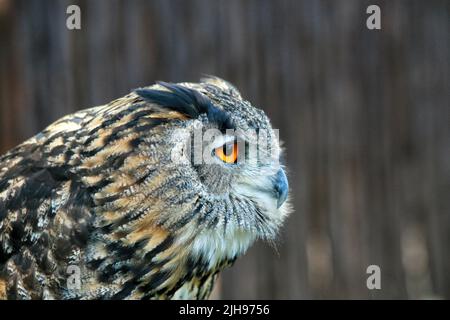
[(228, 153)]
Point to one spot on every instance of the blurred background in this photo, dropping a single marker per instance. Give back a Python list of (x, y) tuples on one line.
[(364, 115)]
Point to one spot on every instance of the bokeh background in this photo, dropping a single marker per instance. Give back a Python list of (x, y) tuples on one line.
[(364, 115)]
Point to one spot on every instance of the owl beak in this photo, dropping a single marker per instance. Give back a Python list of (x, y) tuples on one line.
[(281, 187)]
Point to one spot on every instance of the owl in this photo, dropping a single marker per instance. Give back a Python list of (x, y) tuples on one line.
[(147, 197)]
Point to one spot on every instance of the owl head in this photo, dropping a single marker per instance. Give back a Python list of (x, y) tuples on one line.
[(213, 175), (193, 164)]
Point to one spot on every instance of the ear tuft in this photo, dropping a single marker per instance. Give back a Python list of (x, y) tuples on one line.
[(187, 101), (222, 84)]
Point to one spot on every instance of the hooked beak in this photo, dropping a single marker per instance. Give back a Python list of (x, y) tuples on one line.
[(281, 187)]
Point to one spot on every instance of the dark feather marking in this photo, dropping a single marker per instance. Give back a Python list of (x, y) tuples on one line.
[(91, 153), (146, 266), (186, 278), (206, 216), (182, 222), (129, 217), (113, 162), (139, 271), (60, 173), (164, 245), (188, 102), (143, 268), (225, 218), (128, 287), (114, 119), (116, 132), (57, 150), (37, 187), (95, 264), (100, 185), (107, 199), (136, 142), (53, 138), (120, 253), (137, 125), (156, 280)]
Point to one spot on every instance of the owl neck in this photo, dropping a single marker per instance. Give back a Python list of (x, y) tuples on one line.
[(213, 249)]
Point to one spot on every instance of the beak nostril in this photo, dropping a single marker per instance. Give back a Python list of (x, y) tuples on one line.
[(281, 187)]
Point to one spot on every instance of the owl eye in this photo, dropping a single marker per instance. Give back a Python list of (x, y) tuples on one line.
[(228, 152)]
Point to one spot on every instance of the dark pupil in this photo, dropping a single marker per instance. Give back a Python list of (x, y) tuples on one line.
[(228, 149)]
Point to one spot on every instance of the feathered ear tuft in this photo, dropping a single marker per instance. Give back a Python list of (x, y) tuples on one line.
[(186, 101), (222, 84)]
